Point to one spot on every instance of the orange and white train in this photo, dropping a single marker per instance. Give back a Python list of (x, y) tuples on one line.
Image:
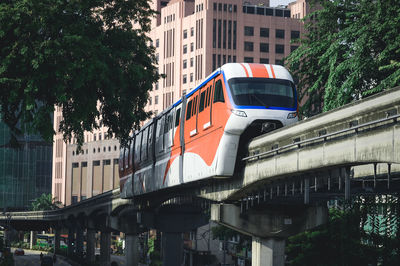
[(202, 135)]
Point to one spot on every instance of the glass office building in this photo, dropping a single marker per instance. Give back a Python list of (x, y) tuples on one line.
[(25, 171)]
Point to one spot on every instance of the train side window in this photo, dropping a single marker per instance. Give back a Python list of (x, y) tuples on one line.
[(144, 145), (137, 147), (218, 92), (160, 134), (202, 98), (149, 146), (189, 110), (177, 117), (166, 125), (126, 156), (194, 107), (121, 158), (131, 150)]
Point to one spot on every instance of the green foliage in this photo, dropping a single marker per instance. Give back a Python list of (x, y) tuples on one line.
[(221, 232), (45, 202), (77, 55), (351, 49), (349, 239)]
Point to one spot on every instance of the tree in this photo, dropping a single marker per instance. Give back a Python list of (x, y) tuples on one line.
[(92, 58), (351, 49), (45, 202)]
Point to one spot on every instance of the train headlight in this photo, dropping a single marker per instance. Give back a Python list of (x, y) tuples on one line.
[(292, 115), (238, 112)]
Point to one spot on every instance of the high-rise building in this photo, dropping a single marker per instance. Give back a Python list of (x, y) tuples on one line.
[(194, 37), (25, 171), (78, 175)]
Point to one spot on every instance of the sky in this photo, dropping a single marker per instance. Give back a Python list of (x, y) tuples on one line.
[(279, 2)]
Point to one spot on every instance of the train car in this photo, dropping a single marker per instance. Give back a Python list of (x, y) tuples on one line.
[(202, 135)]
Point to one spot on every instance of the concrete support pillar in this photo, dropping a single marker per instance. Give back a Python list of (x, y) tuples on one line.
[(32, 240), (105, 245), (71, 240), (131, 249), (79, 241), (56, 239), (267, 252), (172, 248), (90, 245)]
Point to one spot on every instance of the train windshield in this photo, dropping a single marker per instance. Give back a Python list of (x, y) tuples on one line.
[(263, 92)]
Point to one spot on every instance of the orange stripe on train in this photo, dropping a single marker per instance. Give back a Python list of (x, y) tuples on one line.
[(259, 70), (245, 70)]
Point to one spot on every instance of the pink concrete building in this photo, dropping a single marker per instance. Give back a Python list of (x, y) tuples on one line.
[(194, 37)]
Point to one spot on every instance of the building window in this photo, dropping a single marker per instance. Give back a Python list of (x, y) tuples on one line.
[(94, 137), (184, 34), (192, 47), (279, 49), (229, 59), (280, 34), (219, 33), (214, 62), (150, 100), (215, 6), (234, 35), (192, 31), (223, 59), (156, 99), (219, 7), (248, 59), (214, 32), (293, 47), (294, 34), (264, 32), (248, 31), (234, 8), (278, 12), (185, 49), (279, 62), (157, 43), (184, 79), (191, 77), (224, 34), (100, 135), (248, 46), (219, 60), (234, 59), (191, 62), (264, 47), (264, 61), (184, 64), (225, 7), (230, 8), (230, 34), (74, 199)]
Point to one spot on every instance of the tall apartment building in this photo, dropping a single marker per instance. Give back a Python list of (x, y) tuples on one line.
[(194, 37), (84, 174)]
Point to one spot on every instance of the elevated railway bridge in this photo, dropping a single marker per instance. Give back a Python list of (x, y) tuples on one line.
[(282, 188)]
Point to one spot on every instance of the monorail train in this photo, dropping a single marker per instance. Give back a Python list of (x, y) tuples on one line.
[(199, 136)]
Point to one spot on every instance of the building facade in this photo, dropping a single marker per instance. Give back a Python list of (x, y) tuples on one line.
[(25, 171), (194, 37), (78, 175)]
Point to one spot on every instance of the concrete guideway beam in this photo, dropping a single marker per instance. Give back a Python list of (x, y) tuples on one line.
[(271, 221), (269, 227)]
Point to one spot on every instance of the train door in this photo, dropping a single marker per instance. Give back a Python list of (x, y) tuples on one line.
[(220, 112), (204, 117), (191, 118)]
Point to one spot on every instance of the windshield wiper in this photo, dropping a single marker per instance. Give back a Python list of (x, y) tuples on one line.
[(259, 100)]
